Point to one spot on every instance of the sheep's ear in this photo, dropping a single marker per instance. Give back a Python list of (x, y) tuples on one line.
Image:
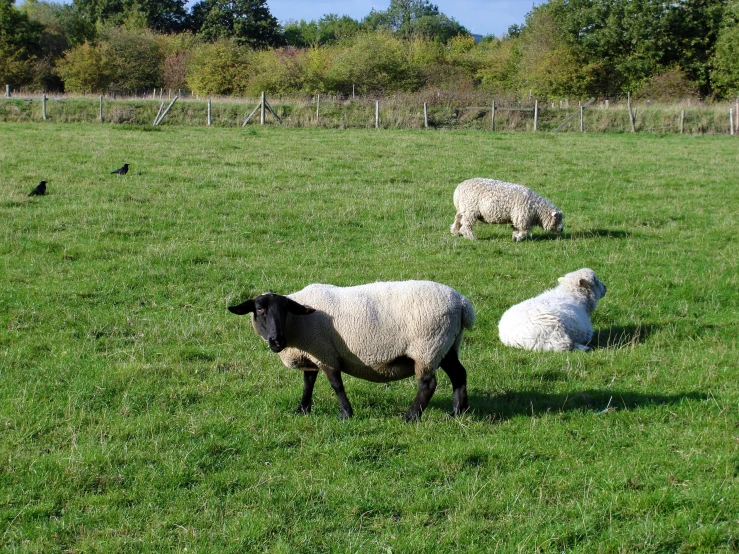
[(243, 309), (560, 279), (554, 214), (298, 309)]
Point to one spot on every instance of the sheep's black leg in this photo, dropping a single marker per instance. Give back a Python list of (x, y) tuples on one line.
[(458, 376), (426, 388), (309, 381), (334, 377)]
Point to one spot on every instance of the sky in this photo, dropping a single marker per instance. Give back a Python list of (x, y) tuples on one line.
[(482, 17)]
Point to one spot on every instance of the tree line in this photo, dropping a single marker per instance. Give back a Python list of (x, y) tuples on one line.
[(564, 48)]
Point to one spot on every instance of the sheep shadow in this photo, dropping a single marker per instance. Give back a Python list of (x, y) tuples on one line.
[(533, 236), (621, 336), (600, 233), (584, 234), (501, 407)]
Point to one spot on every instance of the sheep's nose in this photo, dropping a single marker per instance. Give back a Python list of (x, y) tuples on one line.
[(276, 344)]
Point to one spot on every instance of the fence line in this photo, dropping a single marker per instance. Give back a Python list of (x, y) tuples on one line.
[(396, 112)]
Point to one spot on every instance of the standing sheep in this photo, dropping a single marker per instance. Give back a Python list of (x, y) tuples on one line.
[(558, 319), (495, 201), (378, 332)]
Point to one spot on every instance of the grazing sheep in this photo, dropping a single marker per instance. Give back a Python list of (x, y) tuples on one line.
[(494, 201), (558, 319), (378, 332)]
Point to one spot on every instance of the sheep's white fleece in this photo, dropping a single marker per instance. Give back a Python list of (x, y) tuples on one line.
[(495, 201), (556, 320), (380, 331)]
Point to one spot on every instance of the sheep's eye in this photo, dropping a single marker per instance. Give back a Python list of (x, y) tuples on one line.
[(260, 311)]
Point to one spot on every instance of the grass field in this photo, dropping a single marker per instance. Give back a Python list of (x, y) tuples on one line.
[(138, 415)]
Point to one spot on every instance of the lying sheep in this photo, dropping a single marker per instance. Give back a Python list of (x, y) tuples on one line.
[(556, 320), (378, 332), (494, 201)]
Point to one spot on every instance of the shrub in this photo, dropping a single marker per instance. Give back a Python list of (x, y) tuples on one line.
[(135, 59), (84, 69), (669, 85), (174, 72), (218, 68), (376, 62)]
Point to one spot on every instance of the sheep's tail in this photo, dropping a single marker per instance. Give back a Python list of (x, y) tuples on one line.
[(468, 314)]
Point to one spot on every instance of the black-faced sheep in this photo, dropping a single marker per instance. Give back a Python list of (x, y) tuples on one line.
[(494, 201), (379, 332)]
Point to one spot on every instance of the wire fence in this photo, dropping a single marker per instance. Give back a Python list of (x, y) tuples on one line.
[(424, 110)]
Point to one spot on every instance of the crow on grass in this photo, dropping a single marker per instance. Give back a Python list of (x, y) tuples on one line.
[(40, 190), (121, 170)]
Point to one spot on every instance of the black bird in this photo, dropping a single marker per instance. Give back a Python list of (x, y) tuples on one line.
[(40, 190), (121, 170)]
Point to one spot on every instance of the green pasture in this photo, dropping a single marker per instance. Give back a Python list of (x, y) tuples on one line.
[(138, 415)]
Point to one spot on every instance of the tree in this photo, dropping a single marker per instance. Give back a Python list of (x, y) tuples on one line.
[(725, 60), (20, 44), (627, 42), (161, 15), (18, 31), (329, 29), (409, 18), (63, 25), (248, 22)]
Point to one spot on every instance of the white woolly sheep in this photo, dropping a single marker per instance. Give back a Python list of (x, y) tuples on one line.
[(495, 201), (379, 332), (558, 319)]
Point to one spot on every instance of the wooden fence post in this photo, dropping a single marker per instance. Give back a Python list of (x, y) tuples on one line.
[(377, 114), (263, 110), (582, 119), (632, 114), (426, 115), (352, 91), (100, 116), (7, 91), (682, 121), (159, 118), (318, 107), (210, 120), (731, 121), (492, 118), (43, 108), (536, 114)]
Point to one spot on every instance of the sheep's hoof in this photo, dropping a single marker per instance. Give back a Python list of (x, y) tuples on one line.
[(410, 417), (345, 415), (302, 410)]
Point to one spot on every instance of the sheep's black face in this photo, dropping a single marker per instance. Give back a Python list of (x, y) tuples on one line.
[(270, 317)]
